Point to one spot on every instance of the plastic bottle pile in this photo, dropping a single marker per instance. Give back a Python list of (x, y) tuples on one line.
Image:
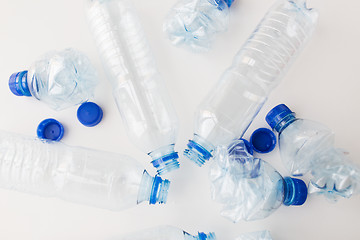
[(248, 187)]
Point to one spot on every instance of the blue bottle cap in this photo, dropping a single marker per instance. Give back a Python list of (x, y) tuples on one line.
[(248, 146), (18, 84), (277, 114), (295, 191), (263, 140), (89, 114), (50, 129)]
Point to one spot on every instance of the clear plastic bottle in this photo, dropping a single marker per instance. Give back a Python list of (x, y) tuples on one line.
[(250, 188), (260, 235), (307, 146), (59, 79), (139, 92), (193, 23), (85, 176), (230, 107), (167, 233)]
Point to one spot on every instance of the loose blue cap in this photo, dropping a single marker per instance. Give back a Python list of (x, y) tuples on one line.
[(18, 84), (248, 146), (277, 114), (295, 191), (50, 129), (89, 114), (263, 140)]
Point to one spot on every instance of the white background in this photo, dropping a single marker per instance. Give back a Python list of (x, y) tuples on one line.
[(322, 85)]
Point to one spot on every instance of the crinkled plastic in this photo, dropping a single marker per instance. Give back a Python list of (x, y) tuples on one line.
[(260, 235), (193, 23), (62, 79), (335, 176), (248, 187)]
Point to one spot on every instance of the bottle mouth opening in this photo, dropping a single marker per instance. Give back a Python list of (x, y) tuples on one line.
[(159, 190), (166, 163), (196, 153)]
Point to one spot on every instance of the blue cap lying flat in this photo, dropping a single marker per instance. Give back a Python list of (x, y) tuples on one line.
[(50, 129), (90, 114), (263, 140)]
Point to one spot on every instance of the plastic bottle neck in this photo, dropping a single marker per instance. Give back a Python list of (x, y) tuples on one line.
[(165, 159), (153, 189), (18, 84), (285, 122), (200, 236), (199, 150)]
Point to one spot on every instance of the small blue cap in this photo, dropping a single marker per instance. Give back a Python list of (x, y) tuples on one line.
[(90, 114), (248, 146), (263, 140), (295, 191), (18, 84), (50, 129), (277, 114)]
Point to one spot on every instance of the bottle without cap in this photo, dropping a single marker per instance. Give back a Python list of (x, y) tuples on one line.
[(101, 179), (167, 233), (139, 92), (193, 23), (308, 147), (61, 79), (250, 188), (230, 107)]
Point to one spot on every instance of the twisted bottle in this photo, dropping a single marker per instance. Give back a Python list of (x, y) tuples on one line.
[(80, 175), (167, 233), (250, 188), (193, 23), (139, 92), (308, 147), (228, 110), (59, 79)]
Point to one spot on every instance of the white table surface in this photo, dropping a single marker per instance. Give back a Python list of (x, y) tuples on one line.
[(322, 85)]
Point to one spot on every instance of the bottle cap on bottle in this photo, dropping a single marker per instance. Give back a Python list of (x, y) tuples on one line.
[(263, 140), (248, 146), (18, 84), (277, 114), (50, 129), (89, 114), (295, 191)]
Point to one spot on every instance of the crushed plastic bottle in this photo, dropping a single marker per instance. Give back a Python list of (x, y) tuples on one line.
[(228, 110), (139, 92), (307, 146), (101, 179), (59, 79), (167, 233), (260, 235), (250, 188), (193, 23)]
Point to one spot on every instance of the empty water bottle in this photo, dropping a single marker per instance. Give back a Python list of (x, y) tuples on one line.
[(193, 23), (167, 233), (226, 113), (59, 79), (307, 146), (261, 235), (85, 176), (250, 188), (139, 92)]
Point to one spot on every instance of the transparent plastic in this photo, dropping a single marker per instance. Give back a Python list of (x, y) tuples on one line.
[(167, 233), (247, 187), (80, 175), (193, 23), (228, 110), (139, 92), (60, 79), (307, 146), (260, 235)]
